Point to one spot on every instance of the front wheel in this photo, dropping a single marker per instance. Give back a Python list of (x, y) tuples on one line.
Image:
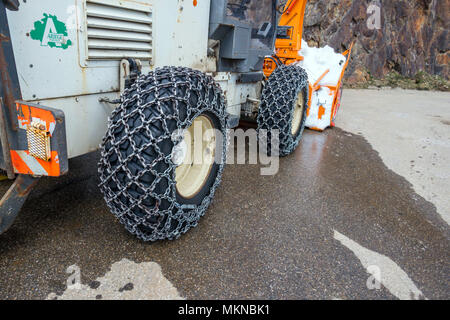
[(164, 153), (283, 108)]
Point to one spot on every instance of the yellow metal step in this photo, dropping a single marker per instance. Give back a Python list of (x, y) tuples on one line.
[(3, 176)]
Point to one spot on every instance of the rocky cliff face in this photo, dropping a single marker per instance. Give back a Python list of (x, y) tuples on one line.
[(412, 35)]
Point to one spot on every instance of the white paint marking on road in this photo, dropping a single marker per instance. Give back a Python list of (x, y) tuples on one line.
[(126, 280), (390, 276), (411, 132)]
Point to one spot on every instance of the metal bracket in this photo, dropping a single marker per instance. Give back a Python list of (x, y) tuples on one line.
[(12, 5), (232, 121), (5, 144), (13, 200), (129, 70)]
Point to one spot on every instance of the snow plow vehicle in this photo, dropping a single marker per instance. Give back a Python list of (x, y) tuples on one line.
[(136, 79), (324, 67)]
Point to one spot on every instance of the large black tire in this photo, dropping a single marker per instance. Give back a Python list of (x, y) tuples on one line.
[(276, 111), (136, 170)]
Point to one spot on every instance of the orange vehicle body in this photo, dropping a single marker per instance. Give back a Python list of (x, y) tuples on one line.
[(23, 161), (287, 50)]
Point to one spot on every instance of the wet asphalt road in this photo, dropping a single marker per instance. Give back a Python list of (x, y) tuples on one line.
[(264, 237)]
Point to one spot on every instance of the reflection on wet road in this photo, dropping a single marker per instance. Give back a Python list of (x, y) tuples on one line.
[(303, 233)]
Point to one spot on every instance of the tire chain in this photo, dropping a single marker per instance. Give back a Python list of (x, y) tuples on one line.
[(279, 94), (156, 223)]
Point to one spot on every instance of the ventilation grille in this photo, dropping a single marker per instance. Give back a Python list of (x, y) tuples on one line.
[(38, 141), (114, 32)]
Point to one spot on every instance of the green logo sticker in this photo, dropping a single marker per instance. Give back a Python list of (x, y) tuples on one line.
[(51, 32)]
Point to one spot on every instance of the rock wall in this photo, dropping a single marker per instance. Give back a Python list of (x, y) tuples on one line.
[(413, 35)]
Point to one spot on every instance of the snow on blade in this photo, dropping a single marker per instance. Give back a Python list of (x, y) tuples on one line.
[(316, 62)]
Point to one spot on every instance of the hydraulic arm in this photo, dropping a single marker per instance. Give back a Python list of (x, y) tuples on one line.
[(289, 36)]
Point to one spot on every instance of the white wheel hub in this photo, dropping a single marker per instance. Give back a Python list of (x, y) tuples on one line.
[(194, 157), (298, 113)]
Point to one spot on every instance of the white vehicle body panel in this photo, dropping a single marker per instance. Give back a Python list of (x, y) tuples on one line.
[(101, 32)]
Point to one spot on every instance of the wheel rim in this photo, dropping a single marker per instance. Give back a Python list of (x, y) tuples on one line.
[(298, 113), (192, 174)]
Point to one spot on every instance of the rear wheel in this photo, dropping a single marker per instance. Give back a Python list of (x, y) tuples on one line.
[(158, 175), (283, 108)]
